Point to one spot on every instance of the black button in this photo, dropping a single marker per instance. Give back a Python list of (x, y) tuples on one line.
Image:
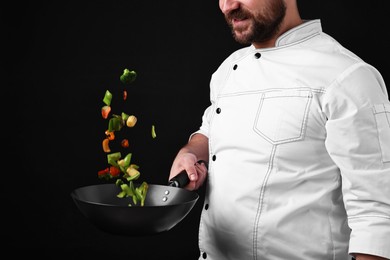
[(235, 66), (206, 207), (214, 157), (257, 55), (218, 110), (204, 255)]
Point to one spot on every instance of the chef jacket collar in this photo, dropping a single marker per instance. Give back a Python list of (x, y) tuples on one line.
[(307, 29)]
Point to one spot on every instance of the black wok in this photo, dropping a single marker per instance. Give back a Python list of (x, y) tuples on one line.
[(165, 207)]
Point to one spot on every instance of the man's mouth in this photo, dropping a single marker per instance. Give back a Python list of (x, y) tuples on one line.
[(239, 22), (238, 18)]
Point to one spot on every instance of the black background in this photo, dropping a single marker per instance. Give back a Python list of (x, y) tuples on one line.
[(60, 57)]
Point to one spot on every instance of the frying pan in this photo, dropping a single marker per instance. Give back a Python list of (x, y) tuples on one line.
[(165, 207)]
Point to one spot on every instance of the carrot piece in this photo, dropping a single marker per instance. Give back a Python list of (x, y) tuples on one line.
[(105, 144)]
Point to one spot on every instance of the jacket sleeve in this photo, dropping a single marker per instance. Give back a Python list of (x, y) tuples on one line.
[(209, 111), (358, 140)]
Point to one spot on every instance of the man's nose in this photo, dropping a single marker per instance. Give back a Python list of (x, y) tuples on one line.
[(227, 5)]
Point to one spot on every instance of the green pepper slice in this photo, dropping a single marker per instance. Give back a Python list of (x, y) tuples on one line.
[(128, 76), (124, 116), (107, 98), (115, 124), (154, 135), (112, 158), (127, 160)]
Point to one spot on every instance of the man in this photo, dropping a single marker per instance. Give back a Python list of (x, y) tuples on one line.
[(297, 137)]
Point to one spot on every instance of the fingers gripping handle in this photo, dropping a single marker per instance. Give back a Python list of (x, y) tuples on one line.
[(182, 179), (179, 180)]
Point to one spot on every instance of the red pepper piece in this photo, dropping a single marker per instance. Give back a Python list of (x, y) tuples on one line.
[(114, 171), (106, 111), (125, 143), (103, 172)]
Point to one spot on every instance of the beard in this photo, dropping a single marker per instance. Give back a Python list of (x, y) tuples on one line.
[(261, 27)]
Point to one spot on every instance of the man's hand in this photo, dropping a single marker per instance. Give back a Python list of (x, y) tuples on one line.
[(196, 169), (192, 158), (368, 257)]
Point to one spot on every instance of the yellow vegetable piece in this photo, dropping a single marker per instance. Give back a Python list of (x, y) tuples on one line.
[(132, 171), (131, 121), (121, 162)]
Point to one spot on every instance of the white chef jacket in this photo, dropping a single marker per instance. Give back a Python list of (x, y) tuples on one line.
[(299, 142)]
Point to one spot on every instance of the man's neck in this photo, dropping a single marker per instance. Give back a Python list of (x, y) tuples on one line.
[(291, 20)]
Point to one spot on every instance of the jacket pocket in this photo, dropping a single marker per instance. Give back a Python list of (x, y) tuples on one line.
[(382, 118), (282, 115)]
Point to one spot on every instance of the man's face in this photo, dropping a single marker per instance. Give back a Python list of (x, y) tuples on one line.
[(254, 20)]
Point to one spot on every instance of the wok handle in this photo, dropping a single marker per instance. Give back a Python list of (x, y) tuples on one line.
[(180, 180)]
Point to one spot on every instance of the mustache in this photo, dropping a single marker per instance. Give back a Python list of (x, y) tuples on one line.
[(238, 14)]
